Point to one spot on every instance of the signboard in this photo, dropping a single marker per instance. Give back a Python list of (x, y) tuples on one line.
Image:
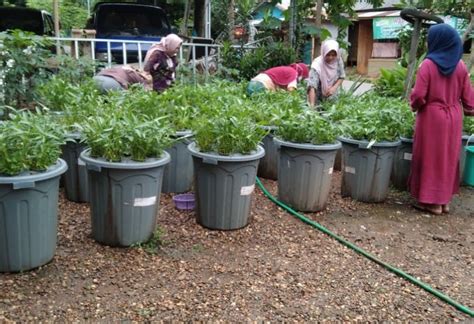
[(389, 27)]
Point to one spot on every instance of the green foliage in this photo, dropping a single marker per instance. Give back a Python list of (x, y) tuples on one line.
[(307, 127), (468, 125), (29, 141), (76, 102), (271, 108), (74, 70), (72, 13), (391, 82), (225, 124), (119, 130), (250, 62), (22, 67), (154, 243), (375, 118)]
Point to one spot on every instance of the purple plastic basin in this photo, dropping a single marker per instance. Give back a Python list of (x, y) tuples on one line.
[(184, 201)]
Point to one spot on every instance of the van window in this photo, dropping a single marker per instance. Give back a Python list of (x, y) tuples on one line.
[(27, 20), (131, 20)]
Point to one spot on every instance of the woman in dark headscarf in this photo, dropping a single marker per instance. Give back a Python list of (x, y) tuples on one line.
[(442, 92)]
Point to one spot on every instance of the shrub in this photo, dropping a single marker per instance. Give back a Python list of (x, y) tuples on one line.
[(23, 58)]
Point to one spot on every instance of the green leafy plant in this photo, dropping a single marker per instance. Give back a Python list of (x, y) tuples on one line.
[(391, 82), (374, 118), (153, 245), (228, 128), (117, 131), (23, 66), (29, 141), (307, 127), (271, 108)]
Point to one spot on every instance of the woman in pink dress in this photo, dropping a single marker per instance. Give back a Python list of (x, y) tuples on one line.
[(441, 94)]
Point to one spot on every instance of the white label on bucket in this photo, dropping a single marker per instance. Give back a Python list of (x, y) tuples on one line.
[(245, 191), (407, 156), (331, 169), (144, 202), (80, 162), (349, 169)]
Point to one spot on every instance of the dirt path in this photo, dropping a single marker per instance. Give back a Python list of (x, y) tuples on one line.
[(277, 268)]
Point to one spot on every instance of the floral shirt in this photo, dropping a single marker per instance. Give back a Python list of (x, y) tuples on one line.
[(162, 69), (313, 80)]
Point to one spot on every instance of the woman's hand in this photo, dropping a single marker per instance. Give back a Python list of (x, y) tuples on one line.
[(331, 91)]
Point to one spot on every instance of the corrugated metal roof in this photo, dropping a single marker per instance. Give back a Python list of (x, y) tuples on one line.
[(373, 14)]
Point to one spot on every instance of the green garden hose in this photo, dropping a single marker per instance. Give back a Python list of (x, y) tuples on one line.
[(369, 256)]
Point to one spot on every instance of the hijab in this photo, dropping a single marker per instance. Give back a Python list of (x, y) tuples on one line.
[(167, 44), (444, 48), (327, 71), (301, 69)]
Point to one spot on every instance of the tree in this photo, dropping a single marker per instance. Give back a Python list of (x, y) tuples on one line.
[(458, 8)]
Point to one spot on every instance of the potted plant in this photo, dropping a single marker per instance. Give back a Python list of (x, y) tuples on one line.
[(402, 160), (370, 138), (225, 156), (308, 146), (270, 109), (30, 169), (71, 104), (125, 162), (180, 107)]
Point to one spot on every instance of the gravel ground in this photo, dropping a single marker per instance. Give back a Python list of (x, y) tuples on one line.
[(277, 268)]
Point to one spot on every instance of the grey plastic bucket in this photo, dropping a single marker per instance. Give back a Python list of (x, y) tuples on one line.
[(402, 164), (305, 173), (29, 218), (367, 170), (76, 183), (268, 166), (178, 174), (124, 198), (223, 186)]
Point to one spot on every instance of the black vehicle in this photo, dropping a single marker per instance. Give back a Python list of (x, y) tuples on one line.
[(36, 21), (127, 21)]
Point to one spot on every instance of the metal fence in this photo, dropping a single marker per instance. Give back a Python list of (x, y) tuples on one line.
[(199, 56)]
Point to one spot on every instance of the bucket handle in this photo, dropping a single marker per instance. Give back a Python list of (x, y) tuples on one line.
[(469, 139), (23, 185)]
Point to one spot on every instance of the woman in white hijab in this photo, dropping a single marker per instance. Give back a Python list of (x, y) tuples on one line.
[(326, 74)]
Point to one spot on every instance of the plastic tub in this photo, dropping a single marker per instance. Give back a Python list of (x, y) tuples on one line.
[(184, 201)]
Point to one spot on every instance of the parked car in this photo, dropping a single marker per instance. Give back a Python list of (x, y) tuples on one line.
[(36, 21), (127, 21)]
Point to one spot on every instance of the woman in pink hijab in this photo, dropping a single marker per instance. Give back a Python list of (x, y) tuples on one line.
[(326, 74), (161, 61)]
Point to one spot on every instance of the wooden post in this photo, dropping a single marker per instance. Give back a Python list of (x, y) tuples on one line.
[(412, 57), (364, 47), (231, 19), (56, 25), (184, 26), (318, 22)]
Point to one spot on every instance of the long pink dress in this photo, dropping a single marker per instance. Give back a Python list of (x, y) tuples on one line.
[(437, 99)]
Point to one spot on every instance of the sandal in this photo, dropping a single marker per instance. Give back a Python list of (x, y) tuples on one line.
[(432, 209), (445, 208)]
